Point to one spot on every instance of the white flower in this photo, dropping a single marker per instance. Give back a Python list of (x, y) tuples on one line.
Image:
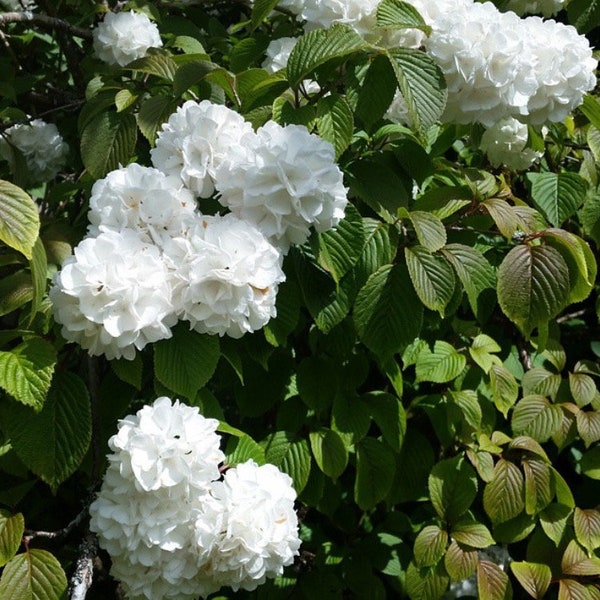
[(542, 7), (398, 110), (250, 524), (142, 199), (42, 146), (226, 275), (360, 15), (278, 52), (288, 183), (112, 296), (123, 37), (195, 141), (17, 5), (505, 143)]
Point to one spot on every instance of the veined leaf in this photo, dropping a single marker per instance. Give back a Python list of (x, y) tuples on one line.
[(375, 467), (571, 589), (430, 546), (472, 534), (583, 388), (584, 15), (539, 485), (430, 230), (534, 577), (290, 455), (154, 112), (576, 562), (504, 497), (335, 122), (387, 411), (460, 561), (19, 219), (161, 65), (426, 583), (557, 195), (260, 11), (554, 520), (492, 582), (442, 365), (588, 426), (11, 532), (395, 14), (505, 389), (536, 417), (452, 487), (377, 91), (587, 528)]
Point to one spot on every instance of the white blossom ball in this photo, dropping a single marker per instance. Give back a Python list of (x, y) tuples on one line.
[(288, 184), (505, 143), (195, 141), (226, 276), (140, 198), (42, 146), (124, 37), (535, 7), (360, 15), (277, 54), (250, 524), (397, 112), (112, 296)]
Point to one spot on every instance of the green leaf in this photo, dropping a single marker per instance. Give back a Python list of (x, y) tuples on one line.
[(375, 466), (350, 418), (287, 305), (53, 442), (571, 589), (587, 528), (124, 99), (108, 142), (187, 361), (422, 85), (539, 488), (129, 371), (378, 250), (246, 449), (492, 582), (387, 411), (584, 14), (335, 122), (505, 216), (387, 312), (533, 285), (583, 388), (19, 219), (554, 520), (11, 532), (430, 546), (590, 463), (505, 389), (377, 91), (452, 487), (430, 231), (460, 562), (576, 562), (33, 575), (557, 195), (317, 383), (540, 381), (504, 497), (426, 583), (472, 534), (291, 455), (26, 371), (588, 426), (536, 417), (190, 74), (514, 530), (468, 402), (161, 65), (481, 351), (260, 10), (16, 290), (39, 268), (534, 577), (395, 14), (317, 47), (530, 446), (154, 112), (440, 366)]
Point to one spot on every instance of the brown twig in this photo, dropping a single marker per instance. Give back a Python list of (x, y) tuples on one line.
[(44, 21), (51, 535)]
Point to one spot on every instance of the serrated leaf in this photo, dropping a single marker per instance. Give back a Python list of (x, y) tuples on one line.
[(387, 411), (26, 371), (492, 582), (379, 249), (534, 577), (108, 142), (129, 371), (530, 445), (587, 528), (590, 463), (260, 10), (335, 122), (124, 99), (504, 496), (571, 589), (584, 14), (375, 466), (539, 488), (426, 583), (505, 389), (452, 487), (576, 562), (588, 426), (557, 195), (396, 14), (468, 402), (350, 418), (291, 455), (541, 381), (246, 449), (387, 312), (11, 532), (460, 562), (481, 351), (190, 74), (53, 442), (187, 361), (16, 290), (536, 417), (554, 520), (483, 463), (161, 65), (430, 230), (533, 285), (19, 219), (442, 365), (583, 388), (317, 47), (422, 85), (473, 534), (38, 266), (430, 546), (376, 92), (505, 216), (153, 113)]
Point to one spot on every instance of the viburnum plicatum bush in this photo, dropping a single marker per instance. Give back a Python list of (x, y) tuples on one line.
[(299, 299)]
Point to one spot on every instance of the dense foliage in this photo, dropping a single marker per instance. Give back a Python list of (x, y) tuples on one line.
[(430, 379)]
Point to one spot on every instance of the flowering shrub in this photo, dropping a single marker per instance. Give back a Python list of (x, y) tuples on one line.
[(321, 278)]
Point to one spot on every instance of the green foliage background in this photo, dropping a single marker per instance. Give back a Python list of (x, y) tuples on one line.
[(430, 381)]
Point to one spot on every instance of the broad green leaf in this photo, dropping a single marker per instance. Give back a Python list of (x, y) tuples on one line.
[(350, 418), (554, 520), (335, 122), (583, 388), (26, 371), (379, 249), (260, 10), (108, 142), (514, 530), (422, 85), (317, 382), (576, 562), (505, 216), (536, 417), (387, 312), (16, 290), (317, 47), (154, 112), (533, 285), (563, 491), (33, 575), (584, 15), (468, 402), (53, 442), (161, 65), (187, 361), (557, 195), (539, 488), (413, 467), (287, 305), (505, 389), (11, 532), (389, 415), (472, 534), (452, 487), (375, 466), (39, 269), (19, 219), (291, 455), (432, 277), (124, 99), (285, 113), (376, 92), (190, 74), (442, 365), (588, 426), (492, 582), (540, 381), (129, 371), (430, 231), (246, 449), (395, 14), (504, 496), (483, 463), (534, 577), (590, 463), (426, 583), (571, 589), (587, 528), (530, 446), (460, 561), (481, 351), (430, 546)]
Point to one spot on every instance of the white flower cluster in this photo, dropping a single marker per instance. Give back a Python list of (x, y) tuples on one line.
[(175, 528), (535, 7), (40, 143), (123, 37)]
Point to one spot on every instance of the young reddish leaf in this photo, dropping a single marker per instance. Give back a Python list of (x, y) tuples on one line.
[(492, 582), (504, 497), (587, 528), (534, 577), (430, 546), (460, 561)]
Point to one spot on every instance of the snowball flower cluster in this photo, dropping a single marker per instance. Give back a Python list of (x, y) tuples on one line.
[(123, 37), (535, 7), (505, 143), (176, 528), (41, 145), (358, 14)]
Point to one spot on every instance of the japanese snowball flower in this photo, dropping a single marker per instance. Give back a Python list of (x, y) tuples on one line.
[(40, 143), (123, 37), (194, 142), (112, 296), (398, 110), (360, 15), (225, 276), (140, 198), (250, 524), (542, 7), (505, 143), (288, 183)]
